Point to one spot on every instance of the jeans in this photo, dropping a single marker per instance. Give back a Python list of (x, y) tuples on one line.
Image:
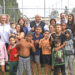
[(13, 67)]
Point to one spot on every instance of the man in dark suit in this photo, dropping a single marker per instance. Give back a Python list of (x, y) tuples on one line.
[(37, 22)]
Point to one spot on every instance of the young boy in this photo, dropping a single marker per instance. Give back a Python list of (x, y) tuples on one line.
[(69, 51), (58, 35), (24, 46), (19, 37), (64, 29), (13, 55), (46, 52), (36, 55), (3, 56), (13, 29), (59, 57)]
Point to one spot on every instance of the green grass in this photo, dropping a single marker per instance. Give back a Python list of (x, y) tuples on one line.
[(42, 71)]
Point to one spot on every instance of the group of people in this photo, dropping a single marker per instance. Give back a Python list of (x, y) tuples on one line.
[(23, 45)]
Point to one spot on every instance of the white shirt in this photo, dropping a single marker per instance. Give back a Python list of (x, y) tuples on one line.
[(46, 27), (5, 33)]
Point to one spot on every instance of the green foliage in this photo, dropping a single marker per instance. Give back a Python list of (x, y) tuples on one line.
[(11, 8)]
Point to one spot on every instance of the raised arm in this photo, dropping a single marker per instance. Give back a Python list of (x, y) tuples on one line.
[(40, 43), (32, 45), (63, 45)]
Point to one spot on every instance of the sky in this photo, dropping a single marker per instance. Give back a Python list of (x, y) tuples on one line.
[(32, 7)]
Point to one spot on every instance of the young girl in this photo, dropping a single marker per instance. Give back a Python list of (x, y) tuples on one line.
[(3, 56), (69, 51)]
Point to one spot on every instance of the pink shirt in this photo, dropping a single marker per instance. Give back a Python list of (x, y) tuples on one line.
[(3, 51)]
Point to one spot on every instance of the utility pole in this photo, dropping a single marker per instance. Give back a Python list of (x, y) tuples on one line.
[(68, 4), (22, 8), (44, 9), (61, 6), (4, 6)]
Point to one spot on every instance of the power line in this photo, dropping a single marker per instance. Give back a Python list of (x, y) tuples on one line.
[(4, 6), (40, 8)]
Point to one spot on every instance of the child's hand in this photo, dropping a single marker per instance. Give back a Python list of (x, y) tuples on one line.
[(62, 60), (32, 29), (52, 68), (37, 41), (10, 48), (40, 43), (56, 49), (31, 41), (31, 45), (52, 39), (49, 48), (15, 55)]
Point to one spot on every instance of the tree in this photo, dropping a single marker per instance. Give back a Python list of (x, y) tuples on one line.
[(0, 9), (66, 11), (10, 6), (54, 14)]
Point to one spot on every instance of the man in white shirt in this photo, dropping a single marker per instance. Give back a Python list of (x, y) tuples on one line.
[(4, 30)]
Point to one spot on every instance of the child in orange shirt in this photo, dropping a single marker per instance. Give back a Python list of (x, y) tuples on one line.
[(46, 52)]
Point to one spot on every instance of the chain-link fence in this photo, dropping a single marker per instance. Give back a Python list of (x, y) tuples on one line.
[(12, 8)]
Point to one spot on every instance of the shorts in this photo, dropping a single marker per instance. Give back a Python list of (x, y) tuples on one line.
[(47, 59), (35, 58), (2, 62)]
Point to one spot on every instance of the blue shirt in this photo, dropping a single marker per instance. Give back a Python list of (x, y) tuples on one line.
[(37, 45), (25, 30)]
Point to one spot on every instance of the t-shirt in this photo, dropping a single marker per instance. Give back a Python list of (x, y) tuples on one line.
[(69, 48), (37, 45), (58, 57), (12, 53), (45, 45), (5, 33), (62, 38), (13, 31), (25, 30)]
